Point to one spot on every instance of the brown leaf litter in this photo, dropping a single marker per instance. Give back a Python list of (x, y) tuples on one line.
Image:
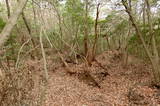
[(122, 87)]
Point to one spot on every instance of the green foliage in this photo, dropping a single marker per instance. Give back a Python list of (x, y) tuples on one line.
[(90, 23), (104, 23), (2, 24), (119, 28), (74, 10), (74, 13)]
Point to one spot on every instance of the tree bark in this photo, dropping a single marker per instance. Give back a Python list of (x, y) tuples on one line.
[(4, 35)]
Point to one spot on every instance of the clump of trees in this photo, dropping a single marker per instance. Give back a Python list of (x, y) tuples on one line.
[(78, 29)]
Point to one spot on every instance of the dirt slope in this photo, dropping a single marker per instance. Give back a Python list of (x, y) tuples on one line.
[(123, 87)]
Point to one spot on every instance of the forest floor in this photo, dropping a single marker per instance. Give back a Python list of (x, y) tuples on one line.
[(129, 86)]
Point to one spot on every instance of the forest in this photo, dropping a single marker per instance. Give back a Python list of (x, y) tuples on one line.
[(79, 53)]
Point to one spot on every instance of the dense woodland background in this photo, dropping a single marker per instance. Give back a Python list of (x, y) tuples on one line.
[(86, 46)]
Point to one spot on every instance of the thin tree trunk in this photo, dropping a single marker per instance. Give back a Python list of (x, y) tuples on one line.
[(96, 33), (59, 22), (8, 8), (86, 29), (28, 28), (34, 14), (144, 15), (155, 52), (44, 56), (11, 22), (107, 38), (124, 49)]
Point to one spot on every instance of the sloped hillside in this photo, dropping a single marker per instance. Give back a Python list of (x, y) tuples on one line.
[(106, 84)]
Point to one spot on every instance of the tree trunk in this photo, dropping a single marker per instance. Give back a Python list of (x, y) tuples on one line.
[(154, 46), (86, 29), (154, 61), (125, 47), (8, 8), (11, 22), (28, 28), (96, 33), (144, 15), (59, 22)]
